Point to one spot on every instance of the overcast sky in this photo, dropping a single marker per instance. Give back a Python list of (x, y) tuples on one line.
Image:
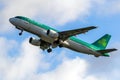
[(20, 60)]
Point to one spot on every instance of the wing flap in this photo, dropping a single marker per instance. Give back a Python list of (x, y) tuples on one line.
[(64, 35)]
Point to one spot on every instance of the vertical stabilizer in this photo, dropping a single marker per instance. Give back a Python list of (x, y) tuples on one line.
[(102, 42)]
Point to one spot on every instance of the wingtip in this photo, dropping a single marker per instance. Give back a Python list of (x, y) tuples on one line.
[(93, 27), (115, 49)]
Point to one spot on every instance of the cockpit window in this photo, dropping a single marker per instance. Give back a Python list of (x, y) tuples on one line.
[(21, 17), (18, 17), (26, 19)]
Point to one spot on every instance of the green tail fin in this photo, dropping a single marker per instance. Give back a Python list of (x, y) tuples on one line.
[(102, 42)]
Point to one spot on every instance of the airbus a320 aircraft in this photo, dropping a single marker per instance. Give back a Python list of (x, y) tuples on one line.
[(52, 38)]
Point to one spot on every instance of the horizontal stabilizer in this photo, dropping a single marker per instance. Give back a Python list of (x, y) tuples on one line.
[(106, 50)]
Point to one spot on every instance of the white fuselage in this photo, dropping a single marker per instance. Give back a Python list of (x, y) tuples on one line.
[(40, 32)]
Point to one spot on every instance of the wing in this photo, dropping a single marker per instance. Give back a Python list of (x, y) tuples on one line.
[(64, 35)]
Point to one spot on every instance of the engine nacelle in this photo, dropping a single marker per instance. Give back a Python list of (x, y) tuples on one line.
[(35, 42), (53, 34)]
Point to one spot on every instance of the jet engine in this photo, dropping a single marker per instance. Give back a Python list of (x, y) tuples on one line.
[(35, 42), (53, 34)]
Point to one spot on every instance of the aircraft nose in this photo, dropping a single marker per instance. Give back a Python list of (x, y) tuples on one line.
[(11, 20)]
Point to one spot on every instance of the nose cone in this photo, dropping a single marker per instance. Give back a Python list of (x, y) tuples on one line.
[(11, 20)]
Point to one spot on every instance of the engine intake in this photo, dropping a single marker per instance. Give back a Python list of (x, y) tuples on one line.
[(35, 42), (53, 34)]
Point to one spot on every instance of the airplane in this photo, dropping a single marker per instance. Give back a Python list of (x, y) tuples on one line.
[(51, 38)]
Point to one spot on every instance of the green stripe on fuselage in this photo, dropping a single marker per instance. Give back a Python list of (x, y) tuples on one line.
[(47, 28)]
